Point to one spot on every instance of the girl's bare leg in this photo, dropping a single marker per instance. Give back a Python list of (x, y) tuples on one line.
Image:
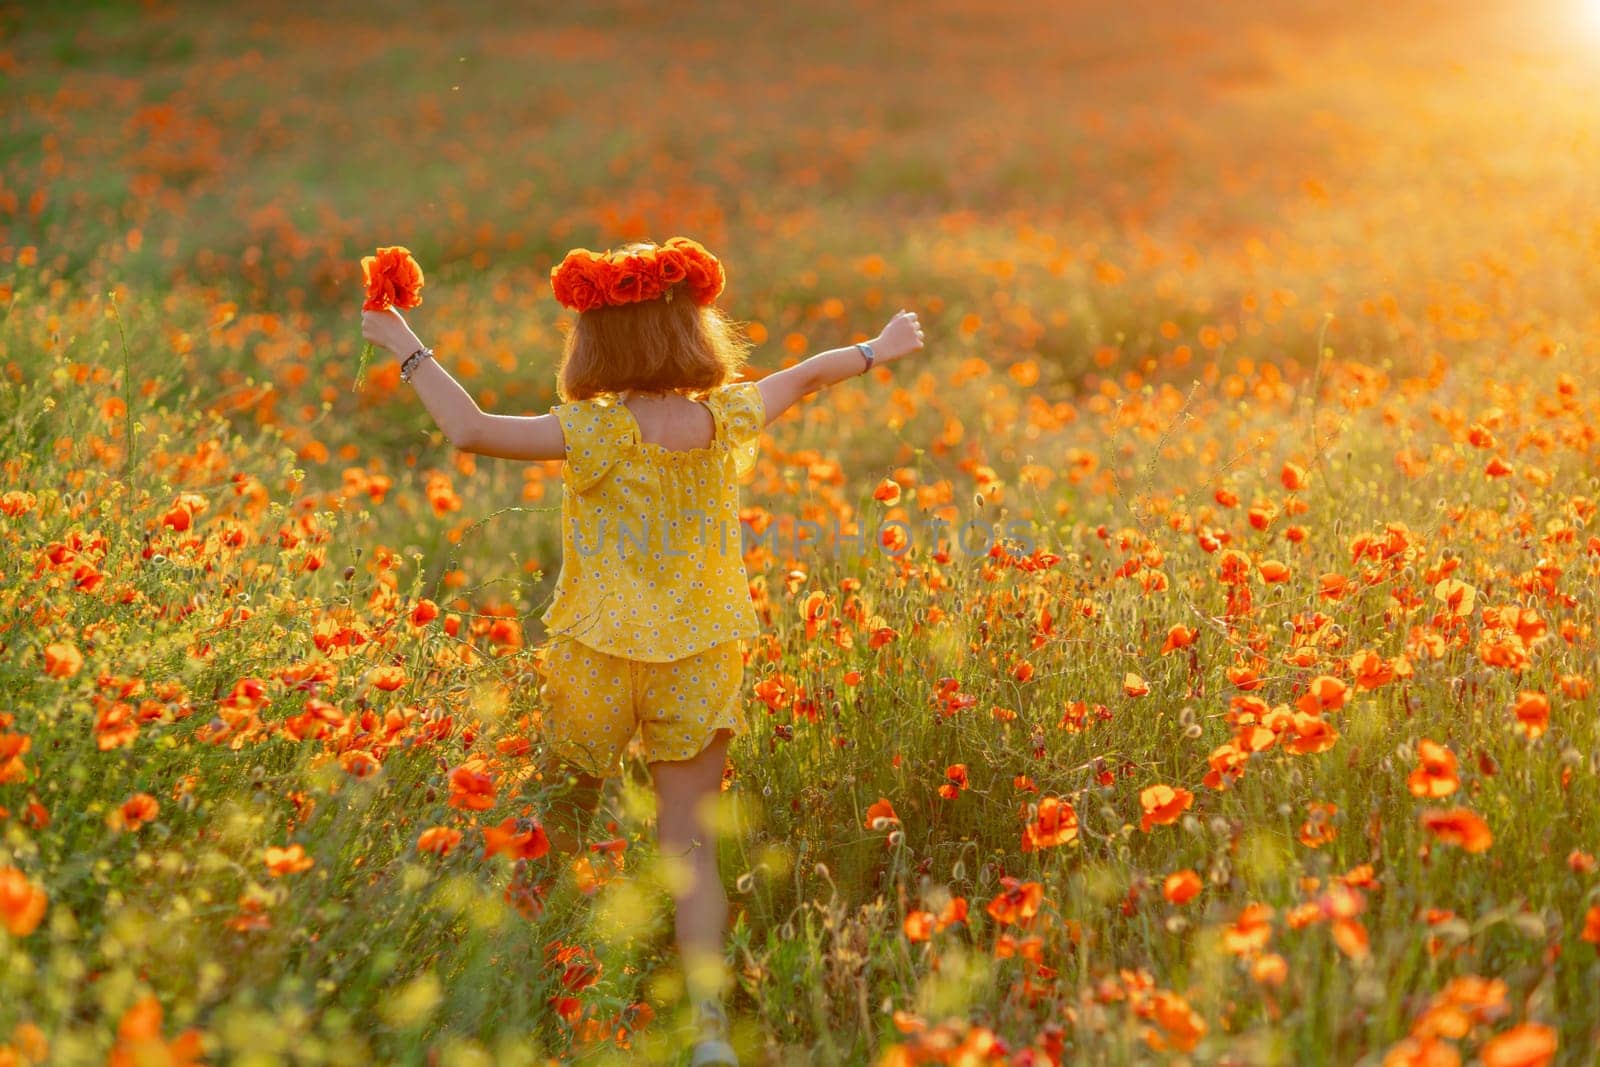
[(571, 808), (687, 793)]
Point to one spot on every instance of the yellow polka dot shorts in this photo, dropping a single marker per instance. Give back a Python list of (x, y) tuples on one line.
[(594, 702)]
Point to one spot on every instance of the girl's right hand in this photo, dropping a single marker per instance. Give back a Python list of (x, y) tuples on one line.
[(901, 337)]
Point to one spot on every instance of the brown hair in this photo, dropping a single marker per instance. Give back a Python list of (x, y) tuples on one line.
[(651, 345)]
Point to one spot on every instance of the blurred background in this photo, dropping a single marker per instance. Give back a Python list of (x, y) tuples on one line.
[(1070, 173)]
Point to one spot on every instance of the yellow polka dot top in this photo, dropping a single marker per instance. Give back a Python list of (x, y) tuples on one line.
[(652, 567)]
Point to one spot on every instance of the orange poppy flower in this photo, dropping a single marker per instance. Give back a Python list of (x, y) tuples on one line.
[(1181, 1026), (440, 840), (1243, 676), (952, 913), (392, 279), (511, 838), (1180, 636), (1269, 968), (1527, 1045), (134, 812), (62, 660), (1163, 805), (918, 925), (1351, 937), (291, 860), (1457, 596), (1575, 686), (1057, 824), (1029, 948), (22, 903), (955, 781), (1016, 903), (1591, 926), (1533, 713), (1250, 932), (388, 677), (1422, 1051), (1312, 733), (1273, 572), (471, 789), (30, 1041), (880, 814), (1233, 567), (1371, 670), (1458, 826), (139, 1040), (1435, 774), (1325, 693), (1318, 828), (1227, 764), (1180, 887), (815, 609)]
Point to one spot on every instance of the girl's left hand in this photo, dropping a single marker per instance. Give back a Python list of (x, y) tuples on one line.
[(389, 329)]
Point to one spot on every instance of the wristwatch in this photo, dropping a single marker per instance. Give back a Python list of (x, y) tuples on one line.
[(411, 361)]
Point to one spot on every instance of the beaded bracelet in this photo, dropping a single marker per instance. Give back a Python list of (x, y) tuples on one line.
[(407, 367), (866, 350)]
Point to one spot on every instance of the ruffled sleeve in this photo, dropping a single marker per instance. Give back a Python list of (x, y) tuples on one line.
[(740, 415), (596, 435)]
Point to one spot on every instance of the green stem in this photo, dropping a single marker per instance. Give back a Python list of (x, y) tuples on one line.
[(367, 351)]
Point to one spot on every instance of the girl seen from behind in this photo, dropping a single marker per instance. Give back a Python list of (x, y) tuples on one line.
[(651, 611)]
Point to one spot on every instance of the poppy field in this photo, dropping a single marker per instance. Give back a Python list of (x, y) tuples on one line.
[(1189, 657)]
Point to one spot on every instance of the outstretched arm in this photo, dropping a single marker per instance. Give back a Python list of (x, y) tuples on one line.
[(783, 389), (463, 423)]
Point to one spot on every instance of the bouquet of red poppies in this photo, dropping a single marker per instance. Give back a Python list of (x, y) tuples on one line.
[(392, 279)]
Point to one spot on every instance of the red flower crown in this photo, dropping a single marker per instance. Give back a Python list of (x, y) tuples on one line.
[(586, 280)]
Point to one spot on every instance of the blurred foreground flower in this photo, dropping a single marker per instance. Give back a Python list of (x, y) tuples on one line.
[(139, 1040), (22, 903)]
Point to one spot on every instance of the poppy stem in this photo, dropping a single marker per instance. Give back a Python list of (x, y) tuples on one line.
[(367, 351)]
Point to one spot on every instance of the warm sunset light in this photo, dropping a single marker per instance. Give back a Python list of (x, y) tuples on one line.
[(833, 533)]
